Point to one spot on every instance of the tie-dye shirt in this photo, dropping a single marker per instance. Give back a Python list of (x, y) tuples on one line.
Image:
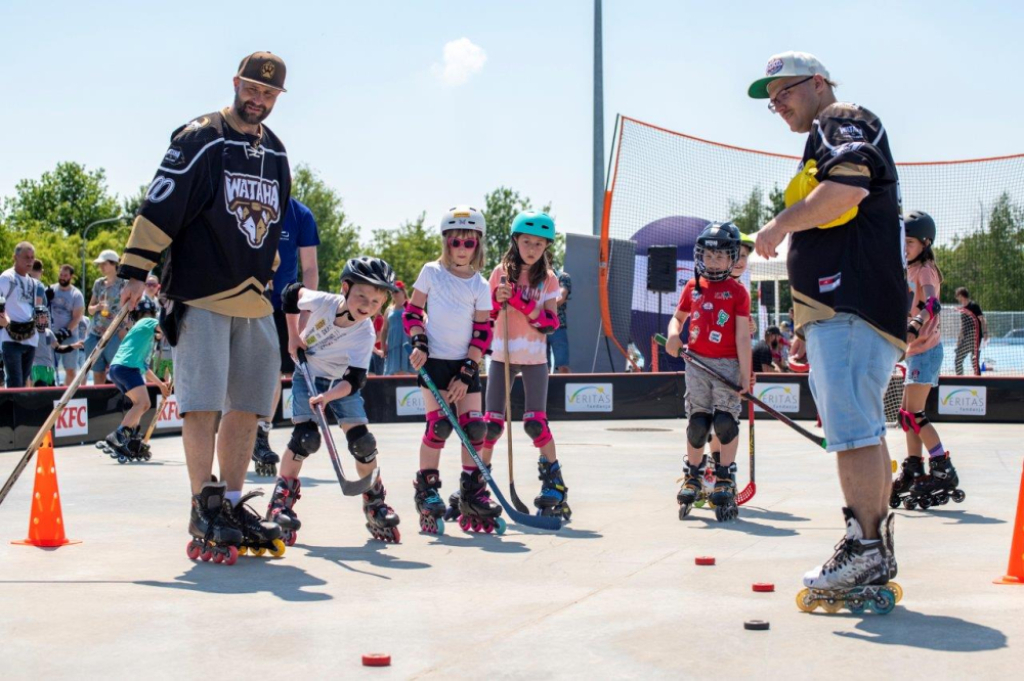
[(527, 344)]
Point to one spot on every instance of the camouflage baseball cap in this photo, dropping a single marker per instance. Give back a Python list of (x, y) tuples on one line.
[(263, 68)]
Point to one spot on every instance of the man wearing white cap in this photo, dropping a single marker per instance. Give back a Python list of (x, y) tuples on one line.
[(847, 272), (103, 305)]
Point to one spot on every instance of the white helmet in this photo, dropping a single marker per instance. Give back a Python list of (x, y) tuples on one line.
[(463, 217)]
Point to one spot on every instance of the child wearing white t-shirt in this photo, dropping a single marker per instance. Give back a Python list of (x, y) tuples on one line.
[(338, 340)]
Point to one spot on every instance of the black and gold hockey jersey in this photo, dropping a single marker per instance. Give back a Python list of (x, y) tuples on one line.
[(218, 201)]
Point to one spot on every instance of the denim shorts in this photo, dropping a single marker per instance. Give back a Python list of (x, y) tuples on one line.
[(851, 365), (107, 356), (348, 410), (558, 342), (125, 378), (923, 369)]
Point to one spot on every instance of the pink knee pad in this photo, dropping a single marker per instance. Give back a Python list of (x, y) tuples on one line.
[(438, 429), (535, 423), (472, 424), (495, 427), (912, 421)]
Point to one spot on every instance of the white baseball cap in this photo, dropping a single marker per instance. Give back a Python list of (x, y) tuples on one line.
[(107, 256), (787, 65)]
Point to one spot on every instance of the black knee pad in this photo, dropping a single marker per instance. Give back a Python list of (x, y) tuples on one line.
[(699, 429), (362, 445), (305, 440), (474, 426), (726, 427)]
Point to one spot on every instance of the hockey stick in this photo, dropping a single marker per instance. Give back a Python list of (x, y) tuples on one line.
[(69, 392), (541, 522), (516, 501), (695, 361), (349, 488), (748, 492), (156, 417)]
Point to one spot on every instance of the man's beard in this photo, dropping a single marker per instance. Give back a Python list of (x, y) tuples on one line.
[(64, 282), (246, 116)]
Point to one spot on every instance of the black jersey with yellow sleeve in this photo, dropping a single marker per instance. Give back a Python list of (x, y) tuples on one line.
[(218, 202), (855, 263)]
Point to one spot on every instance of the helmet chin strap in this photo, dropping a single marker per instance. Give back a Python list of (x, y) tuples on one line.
[(345, 313)]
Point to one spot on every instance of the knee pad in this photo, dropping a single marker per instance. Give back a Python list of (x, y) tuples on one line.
[(473, 425), (305, 440), (438, 429), (912, 421), (726, 427), (495, 427), (699, 429), (535, 423), (362, 445)]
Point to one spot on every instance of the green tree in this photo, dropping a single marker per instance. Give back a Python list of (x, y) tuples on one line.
[(752, 214), (130, 204), (65, 200), (339, 239), (407, 248), (500, 208)]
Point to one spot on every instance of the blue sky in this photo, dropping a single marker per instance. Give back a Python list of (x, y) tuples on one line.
[(372, 108)]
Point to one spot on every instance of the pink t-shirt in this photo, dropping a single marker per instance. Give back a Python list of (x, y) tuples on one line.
[(527, 344), (920, 275)]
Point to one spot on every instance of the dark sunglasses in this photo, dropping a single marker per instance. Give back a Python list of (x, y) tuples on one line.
[(456, 242), (151, 285)]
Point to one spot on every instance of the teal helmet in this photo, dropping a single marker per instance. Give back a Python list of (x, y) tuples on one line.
[(534, 223)]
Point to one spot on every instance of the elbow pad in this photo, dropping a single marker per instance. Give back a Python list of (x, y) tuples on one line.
[(356, 378), (483, 334), (932, 305), (412, 317), (290, 298), (546, 322)]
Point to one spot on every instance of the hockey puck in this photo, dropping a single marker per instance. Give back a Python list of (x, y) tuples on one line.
[(763, 587), (376, 660), (704, 560), (756, 625)]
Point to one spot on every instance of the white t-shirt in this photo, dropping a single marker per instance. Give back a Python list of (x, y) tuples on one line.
[(330, 349), (452, 302), (20, 292)]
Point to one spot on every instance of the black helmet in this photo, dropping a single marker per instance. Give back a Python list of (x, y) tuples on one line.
[(718, 236), (920, 225), (372, 271), (144, 307), (40, 311)]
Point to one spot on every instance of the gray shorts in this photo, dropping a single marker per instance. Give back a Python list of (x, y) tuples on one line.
[(226, 363), (706, 394)]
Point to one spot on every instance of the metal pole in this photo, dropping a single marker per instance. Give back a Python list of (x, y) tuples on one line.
[(85, 240), (598, 188)]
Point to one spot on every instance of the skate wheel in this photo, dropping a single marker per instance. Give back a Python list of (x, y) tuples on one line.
[(894, 502), (909, 505), (99, 445), (121, 458), (464, 523), (926, 503), (959, 495), (487, 526), (206, 555), (438, 527), (232, 556), (192, 551), (218, 557), (396, 536), (242, 550), (499, 526), (804, 601), (290, 539), (883, 602), (258, 552), (854, 605), (699, 503), (831, 606), (278, 548), (897, 590), (684, 510), (895, 466)]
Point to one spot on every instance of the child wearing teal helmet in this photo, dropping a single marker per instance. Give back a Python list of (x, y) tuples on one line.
[(525, 293)]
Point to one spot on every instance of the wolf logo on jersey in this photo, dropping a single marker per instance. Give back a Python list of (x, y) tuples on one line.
[(254, 202)]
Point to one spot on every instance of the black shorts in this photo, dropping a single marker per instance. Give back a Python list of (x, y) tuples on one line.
[(442, 371), (287, 365)]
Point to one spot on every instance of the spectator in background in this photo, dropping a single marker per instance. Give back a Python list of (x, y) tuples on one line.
[(377, 358), (396, 357), (37, 274), (558, 342), (973, 330), (152, 289), (17, 323), (104, 306), (764, 351), (84, 324), (67, 306), (44, 364)]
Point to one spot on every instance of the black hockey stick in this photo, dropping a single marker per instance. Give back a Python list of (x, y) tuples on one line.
[(349, 488), (516, 501), (69, 392), (695, 361), (541, 522)]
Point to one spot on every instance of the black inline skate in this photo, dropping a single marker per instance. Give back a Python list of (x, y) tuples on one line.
[(281, 509), (214, 536), (119, 445), (428, 502), (381, 519), (553, 499), (265, 458), (911, 470), (136, 445), (258, 535), (692, 488), (477, 513), (724, 496), (938, 486)]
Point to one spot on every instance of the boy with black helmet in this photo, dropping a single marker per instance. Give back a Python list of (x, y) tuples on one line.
[(716, 306), (338, 340), (44, 364)]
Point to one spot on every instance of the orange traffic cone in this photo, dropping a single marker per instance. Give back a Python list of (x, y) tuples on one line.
[(46, 523), (1015, 572)]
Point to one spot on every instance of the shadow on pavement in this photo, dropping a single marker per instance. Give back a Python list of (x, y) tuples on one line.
[(741, 525), (491, 543), (904, 627), (955, 517), (765, 514), (248, 575), (373, 553)]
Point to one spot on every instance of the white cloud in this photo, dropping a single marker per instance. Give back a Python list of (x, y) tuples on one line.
[(462, 59)]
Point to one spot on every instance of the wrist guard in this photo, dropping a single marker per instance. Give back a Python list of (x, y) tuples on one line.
[(469, 372), (421, 343), (546, 322)]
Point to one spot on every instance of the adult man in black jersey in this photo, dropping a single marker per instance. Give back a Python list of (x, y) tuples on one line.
[(217, 203), (847, 272)]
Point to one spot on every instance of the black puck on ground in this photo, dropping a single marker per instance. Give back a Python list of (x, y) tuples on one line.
[(756, 625)]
